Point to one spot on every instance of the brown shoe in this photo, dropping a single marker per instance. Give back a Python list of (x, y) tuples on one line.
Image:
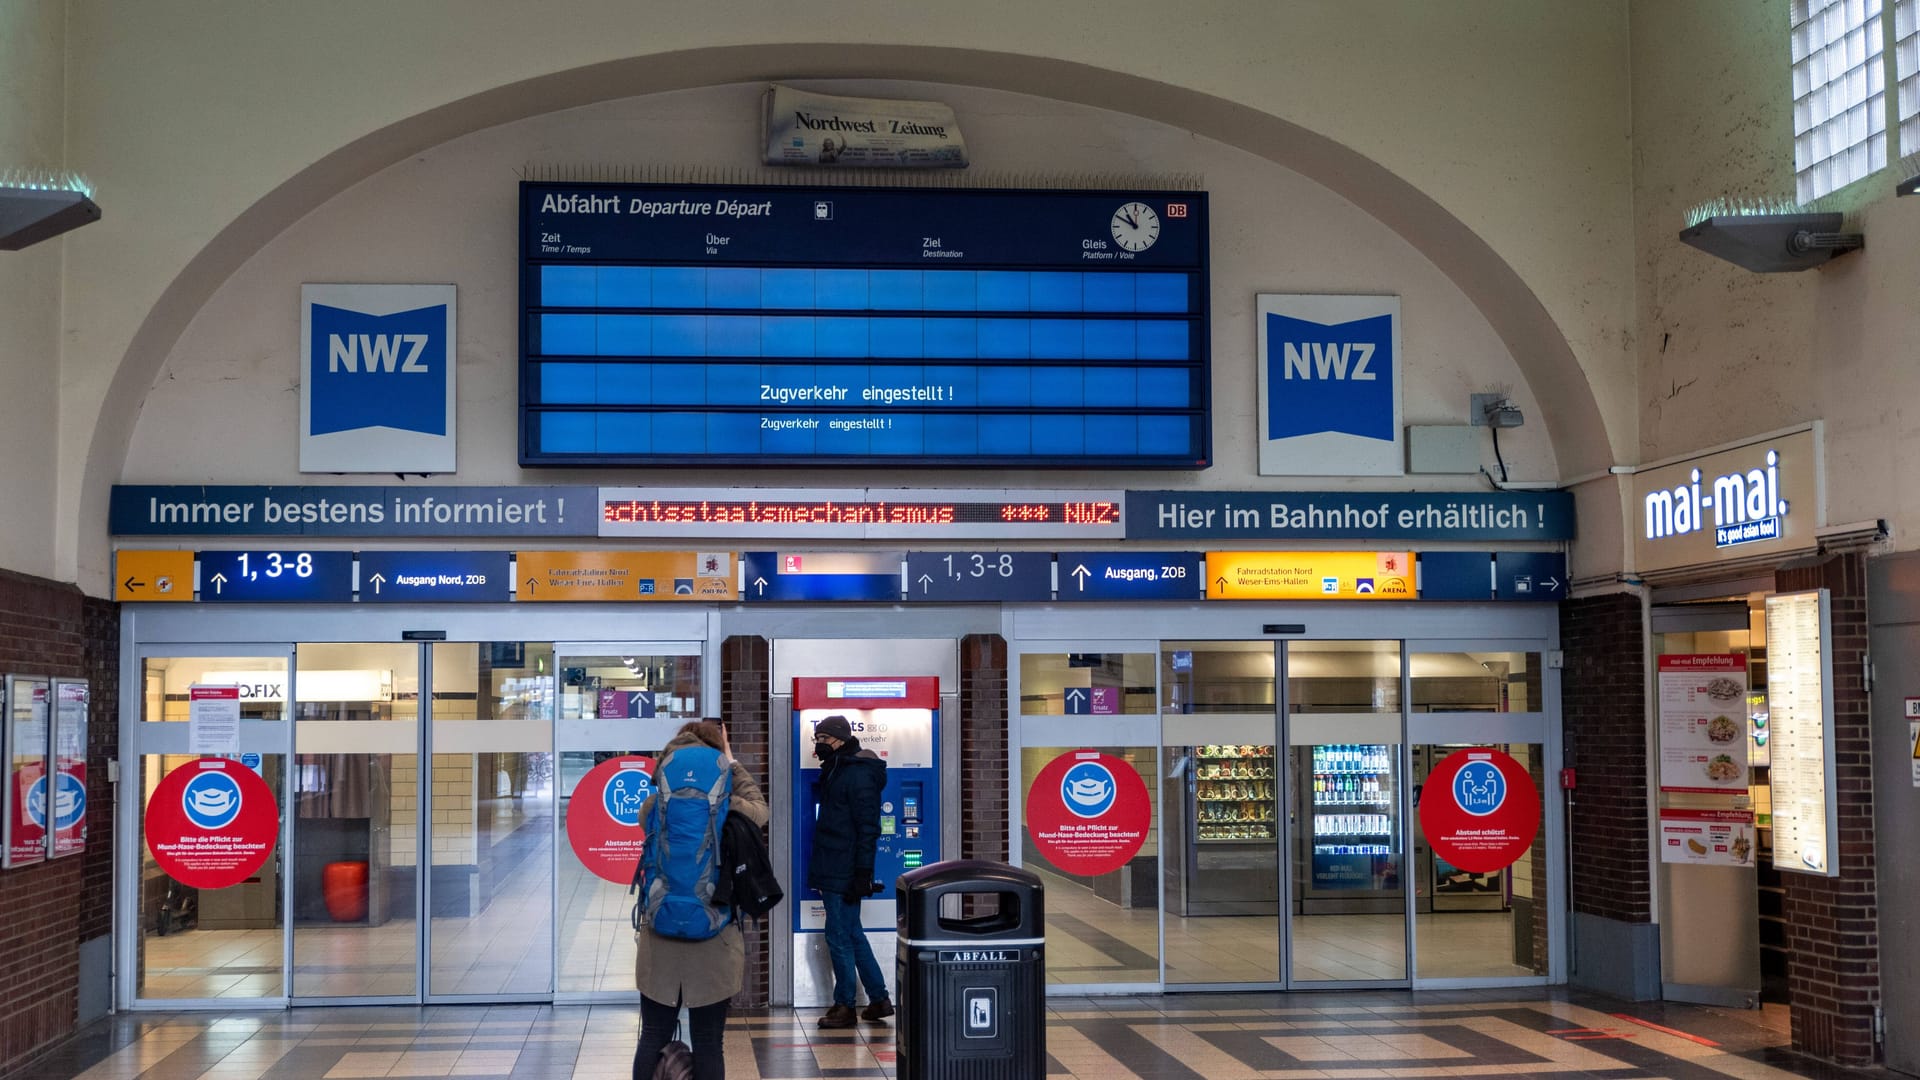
[(877, 1011), (840, 1016)]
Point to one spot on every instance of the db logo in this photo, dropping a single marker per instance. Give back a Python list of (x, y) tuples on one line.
[(1176, 209)]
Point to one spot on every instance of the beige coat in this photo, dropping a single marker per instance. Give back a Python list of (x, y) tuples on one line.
[(694, 973)]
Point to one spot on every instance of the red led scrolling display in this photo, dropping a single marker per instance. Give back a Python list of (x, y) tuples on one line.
[(841, 512)]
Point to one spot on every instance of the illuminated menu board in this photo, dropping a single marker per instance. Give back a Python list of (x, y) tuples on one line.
[(1799, 686), (695, 325)]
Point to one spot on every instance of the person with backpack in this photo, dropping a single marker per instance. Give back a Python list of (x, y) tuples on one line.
[(690, 951), (846, 833)]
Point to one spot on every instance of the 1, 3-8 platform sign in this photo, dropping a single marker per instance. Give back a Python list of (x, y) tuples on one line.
[(1008, 576), (323, 577)]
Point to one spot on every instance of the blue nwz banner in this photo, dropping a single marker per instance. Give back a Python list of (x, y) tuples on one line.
[(1330, 378), (377, 378), (371, 371), (1330, 385)]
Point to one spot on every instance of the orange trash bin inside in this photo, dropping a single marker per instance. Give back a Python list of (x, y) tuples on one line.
[(344, 887)]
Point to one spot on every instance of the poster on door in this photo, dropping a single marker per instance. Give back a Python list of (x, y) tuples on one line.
[(68, 798), (212, 823), (1480, 810), (1703, 723), (603, 817), (1088, 812), (1707, 837), (27, 755)]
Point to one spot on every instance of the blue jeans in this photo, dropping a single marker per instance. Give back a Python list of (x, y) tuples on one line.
[(847, 944)]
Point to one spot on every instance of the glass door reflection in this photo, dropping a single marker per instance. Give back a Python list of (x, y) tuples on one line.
[(1348, 870), (355, 776)]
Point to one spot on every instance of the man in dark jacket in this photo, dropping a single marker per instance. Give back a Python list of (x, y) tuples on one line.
[(846, 831)]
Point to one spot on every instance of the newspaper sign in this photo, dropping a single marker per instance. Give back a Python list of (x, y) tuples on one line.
[(844, 132)]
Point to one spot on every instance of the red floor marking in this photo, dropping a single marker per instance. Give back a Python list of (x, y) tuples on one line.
[(1667, 1030), (1572, 1038)]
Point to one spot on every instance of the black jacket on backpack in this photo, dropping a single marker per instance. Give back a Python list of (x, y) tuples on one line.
[(846, 831), (747, 881)]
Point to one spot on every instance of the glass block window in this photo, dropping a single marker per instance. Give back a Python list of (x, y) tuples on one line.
[(1839, 94), (1906, 71)]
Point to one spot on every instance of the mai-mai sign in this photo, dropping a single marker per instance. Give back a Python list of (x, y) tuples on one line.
[(1761, 498)]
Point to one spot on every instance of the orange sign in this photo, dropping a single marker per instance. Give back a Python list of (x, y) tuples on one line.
[(624, 576), (1310, 575), (143, 576)]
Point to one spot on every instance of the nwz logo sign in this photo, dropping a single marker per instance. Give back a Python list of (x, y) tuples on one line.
[(377, 378), (1330, 360), (1330, 385), (345, 352)]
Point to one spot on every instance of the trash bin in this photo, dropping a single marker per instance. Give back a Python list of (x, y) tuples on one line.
[(971, 973)]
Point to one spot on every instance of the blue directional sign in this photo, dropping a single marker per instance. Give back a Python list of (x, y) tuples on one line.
[(1456, 575), (979, 575), (1130, 575), (1079, 701), (405, 577), (1530, 575), (254, 577), (820, 576)]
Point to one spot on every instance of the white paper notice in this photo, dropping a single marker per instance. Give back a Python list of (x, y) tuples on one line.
[(213, 720), (1798, 674), (1707, 837), (1703, 723)]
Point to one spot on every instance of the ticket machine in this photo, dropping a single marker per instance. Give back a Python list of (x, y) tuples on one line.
[(898, 719)]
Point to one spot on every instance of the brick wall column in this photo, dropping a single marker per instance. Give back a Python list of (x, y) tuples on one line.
[(983, 747), (1833, 924), (1604, 713), (746, 675), (51, 629)]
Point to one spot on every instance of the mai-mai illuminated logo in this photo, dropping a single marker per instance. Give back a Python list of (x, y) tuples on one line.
[(1746, 506)]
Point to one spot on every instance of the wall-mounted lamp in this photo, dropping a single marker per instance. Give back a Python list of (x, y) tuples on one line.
[(1494, 410), (36, 206), (1772, 243)]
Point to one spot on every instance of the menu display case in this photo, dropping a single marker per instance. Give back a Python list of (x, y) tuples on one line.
[(1352, 812), (1234, 794), (1800, 677)]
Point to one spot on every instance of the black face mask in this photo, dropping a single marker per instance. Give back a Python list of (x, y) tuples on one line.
[(823, 750)]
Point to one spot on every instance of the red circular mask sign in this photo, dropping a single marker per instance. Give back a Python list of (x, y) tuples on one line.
[(603, 816), (1480, 810), (211, 823), (1088, 812)]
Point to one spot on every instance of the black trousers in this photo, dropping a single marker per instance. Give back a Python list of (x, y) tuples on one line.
[(657, 1021)]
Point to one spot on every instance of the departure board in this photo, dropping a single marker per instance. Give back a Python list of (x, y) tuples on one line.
[(791, 326)]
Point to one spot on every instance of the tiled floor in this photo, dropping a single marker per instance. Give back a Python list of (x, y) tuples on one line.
[(1346, 1036)]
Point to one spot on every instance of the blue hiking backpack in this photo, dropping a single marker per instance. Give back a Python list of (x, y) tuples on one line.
[(681, 862)]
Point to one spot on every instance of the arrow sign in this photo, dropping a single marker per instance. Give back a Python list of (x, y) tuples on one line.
[(1134, 575), (1529, 575), (1079, 702), (1220, 583), (443, 577), (133, 585), (980, 576), (760, 585), (926, 583), (219, 583), (530, 584)]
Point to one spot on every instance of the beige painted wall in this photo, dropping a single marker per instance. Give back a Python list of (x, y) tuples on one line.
[(32, 72), (1725, 354), (203, 121), (449, 214)]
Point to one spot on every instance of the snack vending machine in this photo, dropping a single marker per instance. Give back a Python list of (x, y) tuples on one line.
[(1233, 835), (899, 720)]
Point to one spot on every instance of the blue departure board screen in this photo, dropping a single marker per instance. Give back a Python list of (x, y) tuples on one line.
[(705, 325)]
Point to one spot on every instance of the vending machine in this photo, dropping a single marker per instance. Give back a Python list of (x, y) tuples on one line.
[(1350, 810), (899, 720)]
